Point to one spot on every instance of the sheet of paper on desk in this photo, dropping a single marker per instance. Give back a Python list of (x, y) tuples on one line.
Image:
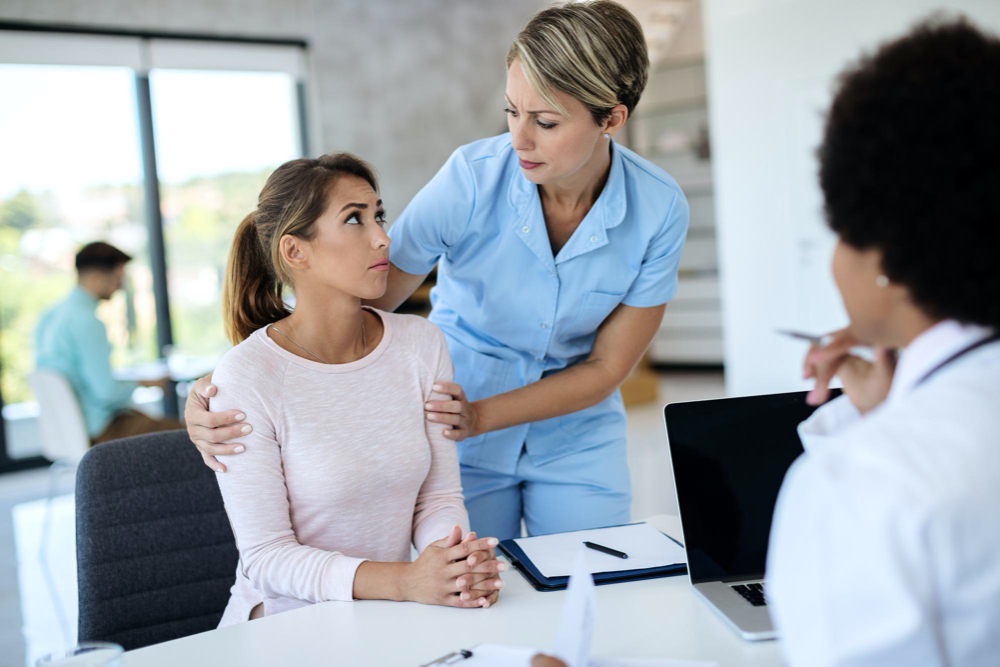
[(646, 547), (648, 662), (573, 637), (576, 627), (499, 655)]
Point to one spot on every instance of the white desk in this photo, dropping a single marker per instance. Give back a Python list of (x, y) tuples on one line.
[(655, 618), (178, 368)]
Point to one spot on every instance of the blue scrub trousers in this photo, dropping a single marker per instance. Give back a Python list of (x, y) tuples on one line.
[(584, 489)]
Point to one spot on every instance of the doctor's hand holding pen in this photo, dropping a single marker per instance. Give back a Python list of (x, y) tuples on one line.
[(866, 383)]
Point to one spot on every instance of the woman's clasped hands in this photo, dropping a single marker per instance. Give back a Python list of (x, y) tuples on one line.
[(456, 572)]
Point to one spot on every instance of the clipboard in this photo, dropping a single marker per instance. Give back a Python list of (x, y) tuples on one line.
[(539, 582)]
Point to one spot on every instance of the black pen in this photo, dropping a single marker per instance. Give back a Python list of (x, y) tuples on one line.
[(451, 658), (607, 550)]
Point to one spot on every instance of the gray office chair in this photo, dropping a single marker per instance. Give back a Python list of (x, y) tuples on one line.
[(155, 552)]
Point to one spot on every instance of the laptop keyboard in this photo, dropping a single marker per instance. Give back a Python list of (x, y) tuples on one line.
[(753, 593)]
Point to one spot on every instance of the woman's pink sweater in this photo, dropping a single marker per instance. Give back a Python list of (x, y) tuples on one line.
[(341, 466)]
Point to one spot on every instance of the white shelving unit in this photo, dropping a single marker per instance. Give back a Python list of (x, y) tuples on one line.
[(670, 128)]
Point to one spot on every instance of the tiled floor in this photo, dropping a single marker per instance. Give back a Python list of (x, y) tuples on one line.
[(38, 607), (17, 490), (46, 576)]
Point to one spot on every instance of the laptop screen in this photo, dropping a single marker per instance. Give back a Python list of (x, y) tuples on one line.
[(729, 457)]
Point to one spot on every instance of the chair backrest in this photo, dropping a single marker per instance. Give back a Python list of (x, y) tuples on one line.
[(64, 433), (156, 557)]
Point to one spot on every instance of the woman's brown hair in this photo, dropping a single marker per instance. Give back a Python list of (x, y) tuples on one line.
[(294, 197)]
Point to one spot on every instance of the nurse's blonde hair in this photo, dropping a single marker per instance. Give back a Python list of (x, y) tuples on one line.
[(594, 51)]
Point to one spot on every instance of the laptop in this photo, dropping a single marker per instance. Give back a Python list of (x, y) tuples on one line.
[(729, 458)]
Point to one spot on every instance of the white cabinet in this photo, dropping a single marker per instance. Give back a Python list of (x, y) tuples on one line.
[(691, 332), (670, 128)]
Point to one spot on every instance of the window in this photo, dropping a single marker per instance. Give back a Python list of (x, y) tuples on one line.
[(87, 186), (223, 113), (248, 120)]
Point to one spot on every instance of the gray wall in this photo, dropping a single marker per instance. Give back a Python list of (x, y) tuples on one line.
[(402, 83)]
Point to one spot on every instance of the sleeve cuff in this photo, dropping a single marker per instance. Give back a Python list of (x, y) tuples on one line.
[(339, 583), (408, 263), (650, 300), (413, 268)]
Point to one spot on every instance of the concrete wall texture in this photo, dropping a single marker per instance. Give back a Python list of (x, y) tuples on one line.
[(402, 83)]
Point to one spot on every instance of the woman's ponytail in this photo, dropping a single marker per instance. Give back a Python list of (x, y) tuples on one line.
[(251, 294)]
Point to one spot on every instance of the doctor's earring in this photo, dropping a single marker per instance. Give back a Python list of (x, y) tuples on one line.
[(607, 136), (882, 281)]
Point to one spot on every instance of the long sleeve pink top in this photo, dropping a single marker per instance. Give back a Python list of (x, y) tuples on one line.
[(341, 466)]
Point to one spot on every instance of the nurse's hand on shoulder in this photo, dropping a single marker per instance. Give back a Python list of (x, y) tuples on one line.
[(542, 660), (208, 429), (456, 572), (866, 383), (459, 416)]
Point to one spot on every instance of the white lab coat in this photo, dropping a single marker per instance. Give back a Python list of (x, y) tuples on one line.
[(885, 546)]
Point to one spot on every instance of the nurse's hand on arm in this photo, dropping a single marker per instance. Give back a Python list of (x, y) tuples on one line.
[(208, 430), (866, 383), (621, 341)]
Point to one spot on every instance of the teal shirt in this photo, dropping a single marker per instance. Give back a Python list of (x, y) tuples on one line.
[(70, 340)]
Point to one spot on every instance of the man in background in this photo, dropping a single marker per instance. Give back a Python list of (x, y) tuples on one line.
[(71, 341)]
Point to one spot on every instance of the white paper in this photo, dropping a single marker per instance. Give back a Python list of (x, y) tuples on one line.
[(648, 662), (576, 627), (646, 547), (499, 655), (573, 638)]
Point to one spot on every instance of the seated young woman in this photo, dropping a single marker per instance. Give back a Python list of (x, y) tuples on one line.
[(341, 472)]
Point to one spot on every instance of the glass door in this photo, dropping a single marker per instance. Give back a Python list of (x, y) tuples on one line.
[(219, 135), (70, 173)]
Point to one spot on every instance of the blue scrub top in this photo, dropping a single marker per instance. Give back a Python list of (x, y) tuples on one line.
[(511, 312)]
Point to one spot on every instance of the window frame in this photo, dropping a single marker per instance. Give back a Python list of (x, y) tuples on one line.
[(142, 51)]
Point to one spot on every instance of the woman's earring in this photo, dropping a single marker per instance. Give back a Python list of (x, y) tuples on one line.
[(882, 281), (607, 136)]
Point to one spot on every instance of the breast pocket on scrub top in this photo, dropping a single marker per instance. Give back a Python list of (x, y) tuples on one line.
[(481, 375), (594, 309)]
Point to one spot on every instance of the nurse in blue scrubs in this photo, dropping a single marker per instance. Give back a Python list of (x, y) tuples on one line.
[(557, 250)]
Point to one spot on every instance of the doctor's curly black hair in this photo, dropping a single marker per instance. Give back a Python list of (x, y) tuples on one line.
[(910, 166)]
